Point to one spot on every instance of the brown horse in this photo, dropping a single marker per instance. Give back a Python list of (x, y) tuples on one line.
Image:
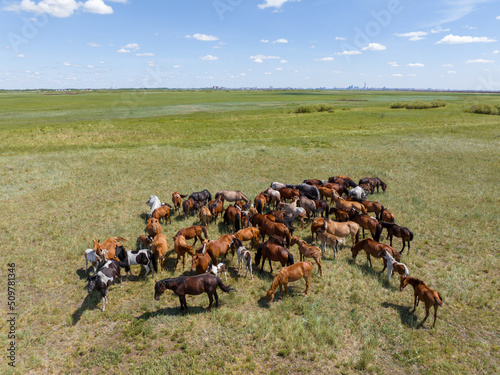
[(375, 249), (159, 248), (375, 182), (340, 215), (177, 200), (342, 229), (386, 215), (308, 251), (367, 222), (153, 227), (372, 206), (273, 252), (249, 234), (316, 225), (346, 205), (233, 214), (193, 285), (188, 207), (326, 192), (257, 219), (339, 188), (260, 201), (394, 230), (289, 275), (194, 231), (329, 239), (268, 227), (288, 193), (422, 293), (162, 212), (205, 216), (216, 208), (181, 248), (200, 261), (106, 249), (219, 247)]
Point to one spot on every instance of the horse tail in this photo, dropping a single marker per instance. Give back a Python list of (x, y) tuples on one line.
[(224, 288), (378, 232), (120, 239), (204, 229), (290, 259), (151, 258), (357, 234), (259, 206), (258, 255), (438, 301), (183, 195), (411, 235)]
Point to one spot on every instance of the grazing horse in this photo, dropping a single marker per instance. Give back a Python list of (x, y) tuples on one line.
[(308, 251), (200, 261), (422, 293), (375, 249), (194, 231), (394, 230), (316, 225), (177, 200), (249, 234), (367, 187), (193, 285), (181, 248), (340, 215), (257, 219), (309, 205), (153, 227), (358, 194), (386, 215), (232, 196), (288, 193), (289, 275), (322, 207), (260, 201), (272, 252), (329, 239), (153, 202), (372, 206), (216, 208), (159, 247), (342, 229), (345, 205), (310, 191), (314, 181), (106, 249), (205, 216), (392, 266), (367, 222), (343, 180), (274, 196), (293, 210), (375, 182), (325, 192), (188, 207), (144, 258), (199, 196), (219, 247), (233, 214), (103, 279), (268, 227), (162, 212), (339, 188)]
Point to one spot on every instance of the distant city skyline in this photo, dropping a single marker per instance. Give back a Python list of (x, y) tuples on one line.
[(438, 45)]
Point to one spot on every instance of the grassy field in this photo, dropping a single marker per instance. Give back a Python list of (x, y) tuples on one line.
[(78, 167)]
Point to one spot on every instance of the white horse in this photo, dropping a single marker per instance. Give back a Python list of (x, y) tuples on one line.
[(392, 266), (154, 203), (214, 270), (358, 193), (245, 257), (93, 258), (277, 185)]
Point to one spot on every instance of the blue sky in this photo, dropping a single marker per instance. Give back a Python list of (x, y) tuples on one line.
[(438, 44)]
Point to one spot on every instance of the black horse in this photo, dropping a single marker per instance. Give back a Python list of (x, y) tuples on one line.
[(203, 195), (310, 191), (194, 285)]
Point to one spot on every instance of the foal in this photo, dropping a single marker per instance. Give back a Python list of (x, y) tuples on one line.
[(392, 266), (422, 293)]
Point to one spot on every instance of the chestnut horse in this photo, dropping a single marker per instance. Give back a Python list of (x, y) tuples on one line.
[(372, 206), (177, 200), (200, 261), (193, 285), (249, 234), (162, 212), (219, 247), (233, 214), (308, 251), (346, 205), (181, 248), (268, 227), (194, 231), (159, 248), (288, 193), (367, 222), (106, 249), (289, 275), (153, 227), (386, 215), (273, 252), (342, 229), (205, 216), (394, 230), (422, 293), (216, 208), (316, 225), (375, 182), (375, 249)]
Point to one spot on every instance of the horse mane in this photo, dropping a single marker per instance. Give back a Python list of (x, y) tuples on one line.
[(180, 280), (279, 279)]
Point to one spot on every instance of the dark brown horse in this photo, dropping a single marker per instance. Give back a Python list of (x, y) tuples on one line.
[(200, 261), (375, 182), (188, 207), (216, 208), (367, 222), (268, 227), (233, 214), (422, 293), (193, 285), (375, 249), (275, 253), (394, 230), (194, 231)]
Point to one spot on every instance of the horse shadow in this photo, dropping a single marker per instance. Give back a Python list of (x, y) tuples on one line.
[(263, 303), (381, 277), (408, 318), (144, 216), (88, 303), (179, 218), (82, 274)]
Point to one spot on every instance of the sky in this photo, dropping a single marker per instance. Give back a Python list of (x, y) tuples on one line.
[(425, 44)]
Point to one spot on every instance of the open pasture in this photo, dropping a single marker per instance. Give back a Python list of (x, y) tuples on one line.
[(81, 167)]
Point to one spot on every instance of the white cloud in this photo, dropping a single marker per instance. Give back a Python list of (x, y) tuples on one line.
[(264, 57), (280, 41), (374, 47), (65, 63), (258, 61), (90, 66), (21, 55), (279, 68), (348, 53), (397, 75), (264, 40), (325, 59), (496, 51), (413, 36), (176, 66), (123, 50), (415, 65), (455, 39), (283, 61), (340, 38), (394, 64), (203, 37), (94, 44), (145, 54), (448, 65), (274, 3), (268, 73), (479, 61), (209, 58), (133, 46), (439, 29), (63, 8), (451, 72), (498, 17)]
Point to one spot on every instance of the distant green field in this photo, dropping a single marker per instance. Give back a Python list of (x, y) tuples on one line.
[(80, 166)]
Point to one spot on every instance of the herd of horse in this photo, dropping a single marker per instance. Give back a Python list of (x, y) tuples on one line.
[(313, 200)]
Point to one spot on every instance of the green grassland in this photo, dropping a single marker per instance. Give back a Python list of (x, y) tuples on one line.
[(80, 166)]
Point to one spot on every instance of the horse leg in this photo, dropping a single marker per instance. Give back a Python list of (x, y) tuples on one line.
[(415, 302), (263, 261), (307, 285), (435, 314), (426, 315), (216, 299), (404, 244), (369, 260), (390, 238), (270, 264), (211, 299), (385, 266), (318, 262)]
